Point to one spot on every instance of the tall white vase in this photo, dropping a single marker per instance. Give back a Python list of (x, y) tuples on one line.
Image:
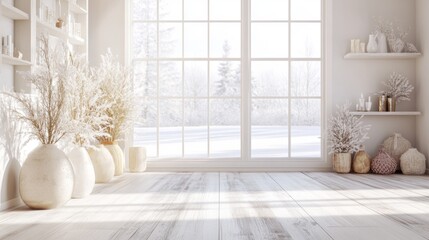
[(118, 157), (104, 167), (381, 42), (84, 176), (372, 46), (137, 159), (46, 179)]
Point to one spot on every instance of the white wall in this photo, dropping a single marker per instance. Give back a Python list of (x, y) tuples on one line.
[(422, 84), (354, 19), (106, 29)]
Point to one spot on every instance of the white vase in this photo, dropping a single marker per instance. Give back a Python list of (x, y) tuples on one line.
[(46, 179), (84, 176), (118, 157), (381, 42), (137, 159), (396, 45), (102, 161), (372, 46)]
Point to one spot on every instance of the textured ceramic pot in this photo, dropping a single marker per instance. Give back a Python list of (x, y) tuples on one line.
[(84, 176), (342, 162), (137, 159), (372, 46), (413, 162), (102, 161), (118, 157), (361, 161), (46, 179)]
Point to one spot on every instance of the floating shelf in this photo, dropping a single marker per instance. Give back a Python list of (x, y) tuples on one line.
[(74, 8), (12, 12), (382, 56), (51, 30), (411, 113), (76, 40), (14, 61)]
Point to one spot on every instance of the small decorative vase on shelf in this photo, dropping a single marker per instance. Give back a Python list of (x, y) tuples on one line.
[(104, 167), (117, 155), (84, 175), (341, 162), (46, 179), (382, 103), (383, 163), (413, 162), (396, 45), (372, 46), (391, 104), (395, 146), (137, 159), (361, 161), (381, 42)]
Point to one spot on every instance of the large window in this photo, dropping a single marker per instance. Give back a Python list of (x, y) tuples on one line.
[(228, 78)]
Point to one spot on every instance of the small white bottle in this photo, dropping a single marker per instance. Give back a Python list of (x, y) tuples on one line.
[(361, 103), (368, 104)]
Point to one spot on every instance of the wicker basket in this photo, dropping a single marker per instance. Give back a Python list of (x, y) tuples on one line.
[(395, 146), (413, 162), (383, 163)]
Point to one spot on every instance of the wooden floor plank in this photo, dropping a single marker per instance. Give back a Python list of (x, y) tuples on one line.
[(408, 216), (231, 206), (252, 206)]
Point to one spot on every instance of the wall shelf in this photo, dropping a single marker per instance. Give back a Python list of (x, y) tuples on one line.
[(75, 8), (13, 12), (381, 56), (76, 40), (399, 113), (51, 30), (14, 61)]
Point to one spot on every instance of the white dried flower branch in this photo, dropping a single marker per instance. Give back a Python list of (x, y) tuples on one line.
[(45, 111), (398, 87), (116, 87), (87, 110), (346, 132)]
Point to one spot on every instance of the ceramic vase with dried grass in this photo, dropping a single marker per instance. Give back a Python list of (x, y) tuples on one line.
[(104, 166), (342, 162)]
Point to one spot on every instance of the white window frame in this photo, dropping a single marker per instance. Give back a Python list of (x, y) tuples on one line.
[(245, 161)]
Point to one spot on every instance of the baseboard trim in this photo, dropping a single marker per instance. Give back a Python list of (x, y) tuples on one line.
[(237, 166), (11, 204)]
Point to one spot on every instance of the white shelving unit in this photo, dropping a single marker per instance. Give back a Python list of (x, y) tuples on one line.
[(30, 21), (14, 61), (399, 113), (381, 56), (12, 12)]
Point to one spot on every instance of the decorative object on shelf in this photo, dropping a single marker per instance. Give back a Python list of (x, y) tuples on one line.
[(117, 88), (396, 45), (391, 104), (398, 88), (137, 159), (59, 23), (356, 46), (372, 46), (382, 103), (413, 162), (410, 48), (7, 46), (362, 47), (381, 42), (46, 177), (104, 166), (396, 145), (361, 103), (383, 163), (361, 161), (17, 54), (345, 134), (368, 104)]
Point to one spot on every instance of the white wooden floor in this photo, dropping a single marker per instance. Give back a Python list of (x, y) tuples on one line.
[(234, 206)]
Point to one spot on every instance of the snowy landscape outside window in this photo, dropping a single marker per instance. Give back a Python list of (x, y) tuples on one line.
[(190, 57)]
